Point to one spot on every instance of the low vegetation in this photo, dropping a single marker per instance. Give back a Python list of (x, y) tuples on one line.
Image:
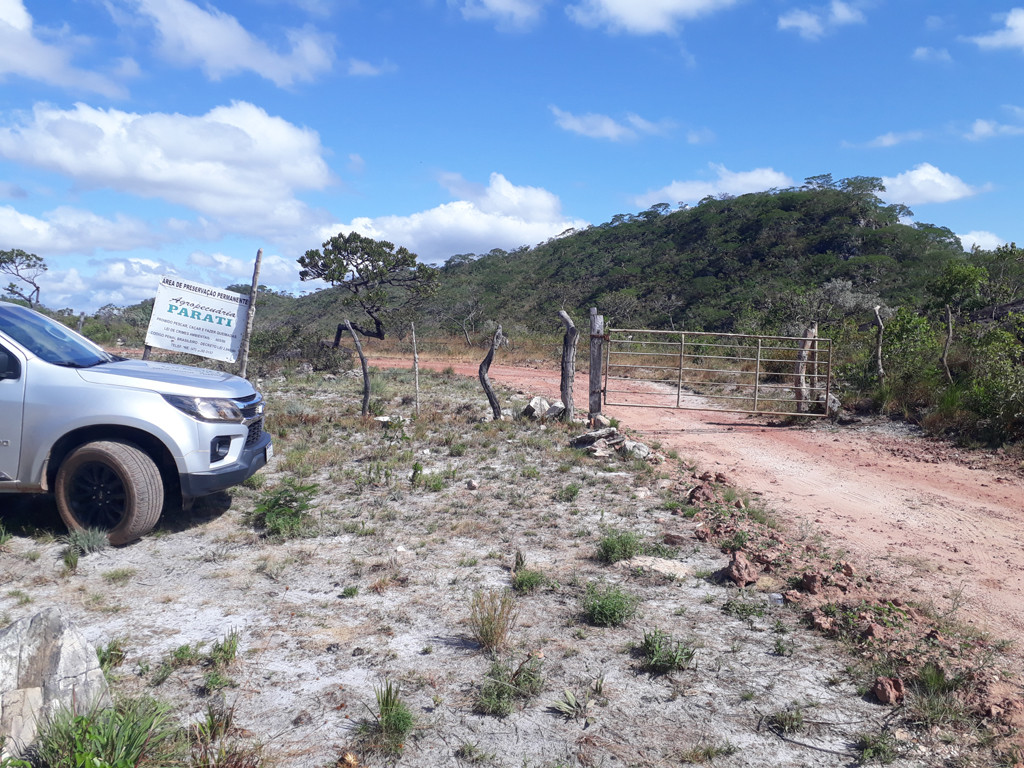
[(359, 616)]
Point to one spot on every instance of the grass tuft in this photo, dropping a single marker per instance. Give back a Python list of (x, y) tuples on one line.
[(608, 606), (493, 616)]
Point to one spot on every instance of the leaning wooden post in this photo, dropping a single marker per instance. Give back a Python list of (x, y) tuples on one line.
[(945, 347), (244, 366), (878, 346), (801, 368), (572, 338), (366, 371), (596, 345), (485, 382), (415, 367)]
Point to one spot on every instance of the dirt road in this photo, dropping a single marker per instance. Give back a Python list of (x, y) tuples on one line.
[(946, 525)]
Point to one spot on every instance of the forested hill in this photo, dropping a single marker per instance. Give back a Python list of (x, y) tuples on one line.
[(722, 262)]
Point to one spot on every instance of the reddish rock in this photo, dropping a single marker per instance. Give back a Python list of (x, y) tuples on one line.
[(792, 596), (821, 622), (741, 571), (889, 690), (812, 582), (873, 631), (702, 534)]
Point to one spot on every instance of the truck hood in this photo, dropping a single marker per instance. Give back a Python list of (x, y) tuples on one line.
[(168, 378)]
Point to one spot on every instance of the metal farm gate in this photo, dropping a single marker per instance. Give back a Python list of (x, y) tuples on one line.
[(779, 375)]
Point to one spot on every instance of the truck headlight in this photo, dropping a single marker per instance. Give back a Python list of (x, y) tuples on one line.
[(206, 408)]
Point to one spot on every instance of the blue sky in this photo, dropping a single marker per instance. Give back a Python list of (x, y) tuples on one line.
[(148, 137)]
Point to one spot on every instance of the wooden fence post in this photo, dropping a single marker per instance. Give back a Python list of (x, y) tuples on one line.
[(415, 367), (596, 347), (485, 382), (243, 367), (572, 337)]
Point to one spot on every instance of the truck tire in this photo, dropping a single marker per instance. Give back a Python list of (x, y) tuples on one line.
[(112, 486)]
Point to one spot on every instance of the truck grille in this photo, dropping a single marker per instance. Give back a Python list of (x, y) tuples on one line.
[(255, 431)]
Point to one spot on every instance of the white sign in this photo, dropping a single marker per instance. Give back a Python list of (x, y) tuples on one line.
[(198, 319)]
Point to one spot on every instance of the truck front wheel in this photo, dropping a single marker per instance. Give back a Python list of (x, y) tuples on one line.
[(112, 486)]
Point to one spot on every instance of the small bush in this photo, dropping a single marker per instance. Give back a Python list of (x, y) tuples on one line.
[(137, 732), (877, 748), (786, 720), (86, 541), (662, 653), (568, 493), (608, 606), (619, 545), (504, 685), (282, 511), (493, 616), (526, 581), (111, 655), (224, 651), (393, 719)]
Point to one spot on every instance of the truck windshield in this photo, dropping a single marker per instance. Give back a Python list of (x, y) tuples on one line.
[(48, 339)]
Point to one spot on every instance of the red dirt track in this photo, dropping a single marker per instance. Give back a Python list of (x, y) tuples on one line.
[(946, 525)]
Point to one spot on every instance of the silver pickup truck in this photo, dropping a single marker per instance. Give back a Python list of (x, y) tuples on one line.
[(111, 438)]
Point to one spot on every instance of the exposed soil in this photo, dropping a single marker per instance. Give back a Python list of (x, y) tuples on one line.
[(945, 522), (379, 588)]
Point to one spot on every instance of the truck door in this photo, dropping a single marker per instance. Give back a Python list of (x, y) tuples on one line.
[(12, 406)]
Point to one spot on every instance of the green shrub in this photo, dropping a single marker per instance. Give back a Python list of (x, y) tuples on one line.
[(619, 545), (662, 653), (608, 606), (282, 511), (526, 581), (504, 685), (137, 732), (393, 719)]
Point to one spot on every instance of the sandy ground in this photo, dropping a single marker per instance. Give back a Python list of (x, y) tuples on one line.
[(944, 523)]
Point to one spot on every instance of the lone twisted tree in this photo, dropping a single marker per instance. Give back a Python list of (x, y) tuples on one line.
[(381, 279), (26, 267)]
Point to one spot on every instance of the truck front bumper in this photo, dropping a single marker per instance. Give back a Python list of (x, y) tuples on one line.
[(249, 462)]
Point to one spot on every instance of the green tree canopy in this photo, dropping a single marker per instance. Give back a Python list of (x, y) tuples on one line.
[(380, 279)]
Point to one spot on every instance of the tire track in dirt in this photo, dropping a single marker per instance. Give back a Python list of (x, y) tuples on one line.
[(947, 533)]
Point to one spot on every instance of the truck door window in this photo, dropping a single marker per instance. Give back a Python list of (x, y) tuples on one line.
[(10, 368)]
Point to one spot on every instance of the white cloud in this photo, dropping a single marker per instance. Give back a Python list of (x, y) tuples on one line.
[(1011, 36), (700, 136), (987, 129), (215, 41), (922, 53), (359, 68), (597, 126), (813, 24), (500, 215), (892, 138), (985, 240), (222, 269), (926, 184), (235, 164), (643, 17), (71, 230), (726, 183), (507, 13), (24, 54), (119, 281)]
